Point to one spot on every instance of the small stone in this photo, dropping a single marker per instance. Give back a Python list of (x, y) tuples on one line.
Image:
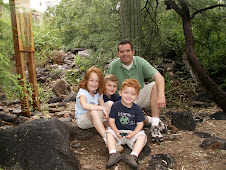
[(223, 152)]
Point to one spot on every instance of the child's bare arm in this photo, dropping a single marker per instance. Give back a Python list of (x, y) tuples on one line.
[(87, 106), (138, 128), (101, 101), (114, 128)]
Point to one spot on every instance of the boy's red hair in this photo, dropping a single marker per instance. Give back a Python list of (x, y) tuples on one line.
[(131, 83), (83, 83)]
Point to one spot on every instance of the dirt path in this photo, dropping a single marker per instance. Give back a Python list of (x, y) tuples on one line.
[(183, 146)]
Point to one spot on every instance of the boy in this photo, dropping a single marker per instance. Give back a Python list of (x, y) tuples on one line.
[(111, 84), (126, 121)]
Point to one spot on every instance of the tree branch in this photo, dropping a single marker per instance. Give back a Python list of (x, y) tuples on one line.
[(173, 5), (207, 8)]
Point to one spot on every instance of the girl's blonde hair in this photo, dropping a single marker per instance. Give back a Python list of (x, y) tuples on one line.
[(83, 83)]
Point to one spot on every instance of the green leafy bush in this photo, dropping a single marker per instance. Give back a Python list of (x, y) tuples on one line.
[(46, 40), (89, 24), (8, 78)]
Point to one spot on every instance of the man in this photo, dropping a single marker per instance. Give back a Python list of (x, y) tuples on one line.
[(153, 94)]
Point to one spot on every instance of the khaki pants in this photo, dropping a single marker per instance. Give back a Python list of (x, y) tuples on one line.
[(144, 95)]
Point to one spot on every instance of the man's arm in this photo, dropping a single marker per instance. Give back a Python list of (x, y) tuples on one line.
[(160, 84)]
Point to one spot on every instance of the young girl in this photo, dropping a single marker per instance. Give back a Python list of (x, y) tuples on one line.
[(91, 111)]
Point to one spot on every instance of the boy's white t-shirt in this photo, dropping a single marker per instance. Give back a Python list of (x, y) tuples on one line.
[(89, 99)]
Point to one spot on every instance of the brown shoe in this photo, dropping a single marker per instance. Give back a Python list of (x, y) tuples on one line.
[(131, 160), (113, 159)]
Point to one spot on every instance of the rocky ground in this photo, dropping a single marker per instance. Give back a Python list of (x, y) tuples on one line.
[(182, 145)]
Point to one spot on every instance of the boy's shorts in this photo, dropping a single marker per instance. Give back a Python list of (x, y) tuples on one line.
[(124, 140), (84, 123), (144, 95)]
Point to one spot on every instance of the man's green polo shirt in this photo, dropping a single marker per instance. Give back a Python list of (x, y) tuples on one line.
[(140, 70)]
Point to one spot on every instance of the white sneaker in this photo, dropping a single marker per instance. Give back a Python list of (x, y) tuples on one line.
[(162, 127), (156, 134)]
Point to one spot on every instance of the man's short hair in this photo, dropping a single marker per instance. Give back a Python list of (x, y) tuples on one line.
[(131, 83), (123, 42)]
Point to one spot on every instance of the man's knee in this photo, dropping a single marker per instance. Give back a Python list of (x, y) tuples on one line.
[(154, 90)]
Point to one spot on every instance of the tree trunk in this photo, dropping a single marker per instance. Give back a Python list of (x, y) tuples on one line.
[(131, 22), (213, 90)]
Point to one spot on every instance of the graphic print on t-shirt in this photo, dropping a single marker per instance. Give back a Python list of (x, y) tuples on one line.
[(126, 118)]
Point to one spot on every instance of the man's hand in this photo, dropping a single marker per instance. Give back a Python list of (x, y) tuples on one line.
[(161, 102)]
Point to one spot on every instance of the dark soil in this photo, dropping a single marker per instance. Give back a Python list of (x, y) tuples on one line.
[(183, 145)]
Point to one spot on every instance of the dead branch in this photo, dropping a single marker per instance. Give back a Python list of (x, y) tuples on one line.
[(207, 8)]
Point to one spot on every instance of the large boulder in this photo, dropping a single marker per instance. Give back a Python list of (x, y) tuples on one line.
[(183, 121), (39, 144)]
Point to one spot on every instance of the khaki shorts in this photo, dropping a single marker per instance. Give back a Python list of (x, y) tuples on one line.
[(144, 95), (84, 123), (124, 140)]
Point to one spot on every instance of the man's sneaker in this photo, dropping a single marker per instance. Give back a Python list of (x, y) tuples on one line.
[(113, 159), (119, 148), (155, 134), (162, 127), (131, 160)]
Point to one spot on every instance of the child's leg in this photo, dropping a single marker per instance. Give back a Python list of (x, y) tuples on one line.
[(108, 105), (114, 156), (138, 145), (111, 142), (95, 119), (137, 148)]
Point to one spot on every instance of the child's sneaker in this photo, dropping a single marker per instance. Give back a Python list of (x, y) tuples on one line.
[(162, 127), (131, 160), (156, 134), (113, 159)]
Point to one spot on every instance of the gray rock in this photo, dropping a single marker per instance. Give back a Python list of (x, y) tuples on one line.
[(81, 134), (183, 121), (218, 116), (8, 117), (161, 162), (39, 144), (214, 143), (202, 134), (61, 88), (70, 97), (65, 120)]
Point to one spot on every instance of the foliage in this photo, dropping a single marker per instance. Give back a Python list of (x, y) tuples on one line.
[(97, 59), (210, 44), (8, 80), (46, 40), (163, 35), (90, 24)]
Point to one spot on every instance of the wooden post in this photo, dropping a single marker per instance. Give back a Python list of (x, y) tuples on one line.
[(24, 49), (131, 22)]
